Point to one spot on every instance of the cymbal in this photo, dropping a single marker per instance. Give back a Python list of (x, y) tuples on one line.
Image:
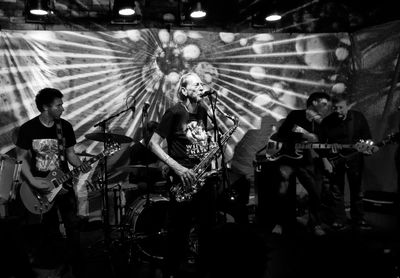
[(106, 137), (138, 169), (124, 186)]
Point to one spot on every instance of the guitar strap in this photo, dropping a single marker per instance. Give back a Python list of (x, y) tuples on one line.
[(61, 143), (351, 126), (62, 161), (61, 148)]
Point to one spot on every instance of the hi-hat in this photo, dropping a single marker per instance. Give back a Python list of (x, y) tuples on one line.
[(108, 137)]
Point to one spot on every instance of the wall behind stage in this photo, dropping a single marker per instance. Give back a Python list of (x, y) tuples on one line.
[(259, 77)]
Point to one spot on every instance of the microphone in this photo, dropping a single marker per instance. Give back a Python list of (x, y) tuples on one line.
[(232, 118), (146, 106), (209, 93)]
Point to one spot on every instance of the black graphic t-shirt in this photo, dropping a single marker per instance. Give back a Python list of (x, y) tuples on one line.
[(43, 144), (185, 133)]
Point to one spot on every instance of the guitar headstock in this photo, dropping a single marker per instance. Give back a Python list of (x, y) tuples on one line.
[(391, 138), (112, 148), (366, 146)]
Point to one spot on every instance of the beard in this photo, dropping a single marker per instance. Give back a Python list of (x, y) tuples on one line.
[(341, 116)]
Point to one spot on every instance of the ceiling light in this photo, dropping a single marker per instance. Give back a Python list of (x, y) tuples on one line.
[(38, 7), (198, 12), (124, 7), (126, 11), (273, 17)]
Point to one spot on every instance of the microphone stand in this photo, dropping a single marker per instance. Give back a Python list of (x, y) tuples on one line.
[(106, 225), (225, 180)]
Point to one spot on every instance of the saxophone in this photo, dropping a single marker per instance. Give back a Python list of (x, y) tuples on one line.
[(183, 193)]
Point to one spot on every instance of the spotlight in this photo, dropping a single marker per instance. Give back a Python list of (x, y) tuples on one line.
[(198, 11), (39, 11), (275, 16), (126, 12), (38, 7), (125, 7)]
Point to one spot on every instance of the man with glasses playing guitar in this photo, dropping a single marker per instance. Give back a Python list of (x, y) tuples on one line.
[(346, 126), (45, 144), (300, 126)]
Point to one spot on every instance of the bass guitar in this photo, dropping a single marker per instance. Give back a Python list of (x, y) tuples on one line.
[(39, 203), (277, 150), (342, 159)]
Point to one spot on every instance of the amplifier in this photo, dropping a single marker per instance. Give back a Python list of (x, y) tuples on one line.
[(381, 201)]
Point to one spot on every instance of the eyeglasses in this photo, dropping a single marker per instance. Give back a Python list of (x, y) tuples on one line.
[(323, 103)]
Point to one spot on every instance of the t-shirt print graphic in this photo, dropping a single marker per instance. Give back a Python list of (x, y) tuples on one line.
[(46, 154), (197, 135)]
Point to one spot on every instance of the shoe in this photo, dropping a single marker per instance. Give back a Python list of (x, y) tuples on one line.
[(363, 225), (337, 226), (318, 231), (277, 229)]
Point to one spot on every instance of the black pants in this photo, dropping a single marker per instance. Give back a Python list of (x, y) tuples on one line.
[(353, 169), (14, 259), (48, 248), (182, 217), (310, 178)]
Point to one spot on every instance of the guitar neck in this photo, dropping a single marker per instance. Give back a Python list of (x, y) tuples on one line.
[(321, 146), (77, 170)]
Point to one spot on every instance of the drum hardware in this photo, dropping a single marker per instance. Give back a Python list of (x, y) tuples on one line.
[(139, 170), (146, 225), (107, 138), (10, 170)]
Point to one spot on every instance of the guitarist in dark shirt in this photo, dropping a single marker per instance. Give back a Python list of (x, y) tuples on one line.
[(302, 126), (345, 126), (38, 147)]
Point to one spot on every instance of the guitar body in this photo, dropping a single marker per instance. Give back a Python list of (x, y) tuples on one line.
[(277, 150), (292, 154), (37, 202)]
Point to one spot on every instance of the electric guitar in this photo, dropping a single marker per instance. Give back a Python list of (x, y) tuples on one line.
[(37, 202), (340, 158), (276, 150)]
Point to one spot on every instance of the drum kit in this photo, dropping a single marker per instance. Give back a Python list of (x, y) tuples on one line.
[(142, 222)]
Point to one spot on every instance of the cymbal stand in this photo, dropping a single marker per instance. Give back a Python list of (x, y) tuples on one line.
[(105, 212), (144, 136)]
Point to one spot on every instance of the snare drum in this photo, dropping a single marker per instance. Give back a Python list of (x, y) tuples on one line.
[(148, 224)]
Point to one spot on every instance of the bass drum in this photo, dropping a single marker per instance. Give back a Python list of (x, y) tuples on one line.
[(147, 220)]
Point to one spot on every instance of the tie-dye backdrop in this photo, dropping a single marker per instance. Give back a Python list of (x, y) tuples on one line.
[(258, 77)]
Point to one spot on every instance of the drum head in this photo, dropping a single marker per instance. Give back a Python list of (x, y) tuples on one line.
[(148, 222)]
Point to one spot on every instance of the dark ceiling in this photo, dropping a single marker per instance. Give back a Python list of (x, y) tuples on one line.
[(231, 15)]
